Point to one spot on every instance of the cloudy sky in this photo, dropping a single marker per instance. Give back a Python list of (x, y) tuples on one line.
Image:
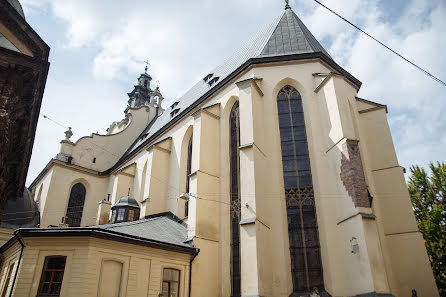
[(98, 48)]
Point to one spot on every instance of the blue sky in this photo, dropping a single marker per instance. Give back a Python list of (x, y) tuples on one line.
[(98, 48)]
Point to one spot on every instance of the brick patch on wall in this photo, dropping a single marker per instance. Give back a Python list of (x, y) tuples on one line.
[(352, 174)]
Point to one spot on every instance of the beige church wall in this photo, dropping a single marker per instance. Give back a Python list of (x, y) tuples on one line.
[(62, 180), (140, 267), (41, 188), (107, 149)]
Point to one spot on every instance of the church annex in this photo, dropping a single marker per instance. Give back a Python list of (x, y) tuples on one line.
[(269, 177)]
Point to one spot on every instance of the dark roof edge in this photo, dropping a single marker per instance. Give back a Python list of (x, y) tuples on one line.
[(101, 234), (240, 69)]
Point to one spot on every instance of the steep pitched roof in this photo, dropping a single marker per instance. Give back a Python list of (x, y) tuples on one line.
[(285, 38), (291, 36)]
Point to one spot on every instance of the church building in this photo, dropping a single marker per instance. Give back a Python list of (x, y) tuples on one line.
[(269, 177)]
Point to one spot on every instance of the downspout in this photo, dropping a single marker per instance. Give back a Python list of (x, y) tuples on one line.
[(197, 251), (18, 263)]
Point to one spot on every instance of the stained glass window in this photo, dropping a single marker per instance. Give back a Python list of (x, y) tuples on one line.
[(75, 205), (188, 172), (306, 266), (235, 199)]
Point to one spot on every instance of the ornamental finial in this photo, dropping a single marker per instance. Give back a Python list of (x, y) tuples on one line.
[(287, 4), (68, 134)]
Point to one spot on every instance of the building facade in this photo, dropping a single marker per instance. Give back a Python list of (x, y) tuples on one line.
[(285, 181)]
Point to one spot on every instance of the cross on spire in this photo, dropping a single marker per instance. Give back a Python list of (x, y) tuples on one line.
[(147, 65)]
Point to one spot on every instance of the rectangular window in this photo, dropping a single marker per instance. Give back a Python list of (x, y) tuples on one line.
[(8, 278), (171, 282), (52, 276)]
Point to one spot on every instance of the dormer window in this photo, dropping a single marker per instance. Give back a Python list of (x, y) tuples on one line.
[(207, 77), (174, 104), (125, 210), (174, 112), (214, 80)]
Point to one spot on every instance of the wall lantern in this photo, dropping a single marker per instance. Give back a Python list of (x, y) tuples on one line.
[(185, 196)]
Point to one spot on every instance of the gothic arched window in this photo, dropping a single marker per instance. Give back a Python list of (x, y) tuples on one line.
[(306, 266), (75, 205), (234, 130), (188, 172)]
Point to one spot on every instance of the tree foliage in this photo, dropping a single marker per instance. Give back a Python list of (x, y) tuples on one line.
[(428, 195)]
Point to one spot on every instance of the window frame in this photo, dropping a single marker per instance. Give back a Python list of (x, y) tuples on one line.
[(170, 281), (41, 282)]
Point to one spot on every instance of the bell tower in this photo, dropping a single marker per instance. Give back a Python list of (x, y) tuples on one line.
[(141, 92)]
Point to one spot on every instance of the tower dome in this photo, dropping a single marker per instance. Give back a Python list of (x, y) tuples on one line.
[(125, 210), (21, 213)]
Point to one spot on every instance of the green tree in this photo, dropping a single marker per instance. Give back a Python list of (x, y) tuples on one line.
[(428, 195)]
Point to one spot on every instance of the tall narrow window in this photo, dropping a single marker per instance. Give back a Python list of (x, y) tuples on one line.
[(234, 128), (188, 172), (76, 205), (306, 266), (52, 276), (171, 282)]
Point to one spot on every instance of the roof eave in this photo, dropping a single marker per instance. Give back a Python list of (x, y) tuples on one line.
[(103, 234)]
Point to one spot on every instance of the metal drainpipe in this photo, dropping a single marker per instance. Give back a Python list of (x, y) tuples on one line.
[(197, 251), (18, 264)]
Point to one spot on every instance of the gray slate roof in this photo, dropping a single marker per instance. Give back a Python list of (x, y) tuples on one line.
[(161, 228), (285, 35)]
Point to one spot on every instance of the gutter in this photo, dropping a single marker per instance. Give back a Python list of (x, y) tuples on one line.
[(197, 251), (16, 235)]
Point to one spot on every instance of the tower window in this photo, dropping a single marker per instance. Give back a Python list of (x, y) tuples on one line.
[(94, 160)]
